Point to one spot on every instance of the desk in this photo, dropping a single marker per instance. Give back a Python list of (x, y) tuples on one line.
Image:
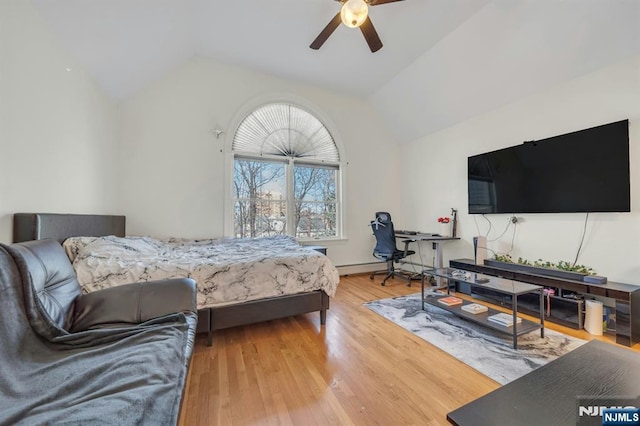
[(437, 241), (597, 371)]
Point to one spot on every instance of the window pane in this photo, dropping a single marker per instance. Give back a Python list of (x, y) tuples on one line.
[(260, 202), (286, 170), (315, 201)]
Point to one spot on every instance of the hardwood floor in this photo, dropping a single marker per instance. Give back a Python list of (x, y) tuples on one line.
[(359, 369)]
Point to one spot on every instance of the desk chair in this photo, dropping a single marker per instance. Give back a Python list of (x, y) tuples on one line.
[(386, 248)]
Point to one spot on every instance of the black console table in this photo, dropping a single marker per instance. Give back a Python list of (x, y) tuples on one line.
[(551, 394), (626, 296)]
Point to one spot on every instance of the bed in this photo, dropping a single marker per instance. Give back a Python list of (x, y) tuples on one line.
[(104, 257)]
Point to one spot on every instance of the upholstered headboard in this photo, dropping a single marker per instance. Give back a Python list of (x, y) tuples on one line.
[(38, 226)]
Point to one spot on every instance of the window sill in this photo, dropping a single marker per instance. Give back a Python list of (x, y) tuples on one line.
[(321, 241)]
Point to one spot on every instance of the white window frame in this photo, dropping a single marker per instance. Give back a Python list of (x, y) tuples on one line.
[(230, 157)]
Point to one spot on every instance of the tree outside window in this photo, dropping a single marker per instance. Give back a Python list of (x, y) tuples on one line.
[(315, 201), (286, 174), (260, 198)]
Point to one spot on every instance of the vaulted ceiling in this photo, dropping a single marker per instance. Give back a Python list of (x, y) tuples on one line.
[(443, 61)]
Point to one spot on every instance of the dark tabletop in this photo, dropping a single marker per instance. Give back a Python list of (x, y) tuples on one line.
[(596, 373)]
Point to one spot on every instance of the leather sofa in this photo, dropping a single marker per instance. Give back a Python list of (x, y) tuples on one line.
[(115, 356)]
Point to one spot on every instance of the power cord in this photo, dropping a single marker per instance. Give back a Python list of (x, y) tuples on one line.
[(487, 248), (475, 220), (584, 231), (490, 224), (513, 236), (509, 222)]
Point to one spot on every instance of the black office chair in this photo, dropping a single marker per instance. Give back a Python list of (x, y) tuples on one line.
[(386, 248)]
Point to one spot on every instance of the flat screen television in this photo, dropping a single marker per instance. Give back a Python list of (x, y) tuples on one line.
[(583, 171)]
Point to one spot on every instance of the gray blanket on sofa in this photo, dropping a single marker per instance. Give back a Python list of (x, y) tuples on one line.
[(125, 375)]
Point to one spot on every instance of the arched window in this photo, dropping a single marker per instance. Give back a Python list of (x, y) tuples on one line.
[(286, 175)]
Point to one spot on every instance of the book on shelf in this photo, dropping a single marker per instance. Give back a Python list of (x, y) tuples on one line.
[(450, 300), (475, 308), (503, 319)]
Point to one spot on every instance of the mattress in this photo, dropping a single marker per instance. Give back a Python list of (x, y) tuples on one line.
[(226, 270)]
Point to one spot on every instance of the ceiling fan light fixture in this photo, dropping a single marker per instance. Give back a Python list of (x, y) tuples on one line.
[(354, 13)]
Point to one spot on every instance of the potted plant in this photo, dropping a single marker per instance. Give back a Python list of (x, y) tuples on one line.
[(561, 269), (445, 227)]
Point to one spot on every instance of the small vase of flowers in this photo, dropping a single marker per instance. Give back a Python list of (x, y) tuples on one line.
[(445, 226)]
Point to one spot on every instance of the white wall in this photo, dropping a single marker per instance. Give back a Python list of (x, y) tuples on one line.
[(64, 147), (435, 174), (506, 51), (172, 168), (57, 131)]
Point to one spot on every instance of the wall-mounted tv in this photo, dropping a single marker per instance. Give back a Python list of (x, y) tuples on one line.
[(583, 171)]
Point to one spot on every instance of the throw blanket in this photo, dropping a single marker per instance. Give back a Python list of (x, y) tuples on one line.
[(126, 375), (226, 270)]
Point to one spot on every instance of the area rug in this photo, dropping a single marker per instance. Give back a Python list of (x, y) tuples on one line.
[(490, 352)]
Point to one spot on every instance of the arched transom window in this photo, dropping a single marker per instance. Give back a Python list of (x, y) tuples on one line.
[(286, 175)]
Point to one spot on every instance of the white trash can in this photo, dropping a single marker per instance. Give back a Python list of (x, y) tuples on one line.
[(593, 317)]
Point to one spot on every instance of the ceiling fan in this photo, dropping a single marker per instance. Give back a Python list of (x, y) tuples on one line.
[(354, 14)]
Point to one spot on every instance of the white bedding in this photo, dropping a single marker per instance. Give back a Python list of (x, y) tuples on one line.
[(226, 270)]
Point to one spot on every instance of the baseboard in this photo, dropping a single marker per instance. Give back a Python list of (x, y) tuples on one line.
[(362, 268)]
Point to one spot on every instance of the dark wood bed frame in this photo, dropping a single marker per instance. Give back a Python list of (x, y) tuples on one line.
[(38, 226)]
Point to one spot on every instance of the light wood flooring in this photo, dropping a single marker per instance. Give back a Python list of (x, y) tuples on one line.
[(359, 369)]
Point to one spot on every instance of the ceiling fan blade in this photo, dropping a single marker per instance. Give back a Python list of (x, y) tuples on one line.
[(379, 2), (371, 35), (324, 34)]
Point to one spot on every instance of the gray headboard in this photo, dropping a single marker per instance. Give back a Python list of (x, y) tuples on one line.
[(38, 226)]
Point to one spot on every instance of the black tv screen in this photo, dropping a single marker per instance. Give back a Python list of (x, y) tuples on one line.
[(583, 171)]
